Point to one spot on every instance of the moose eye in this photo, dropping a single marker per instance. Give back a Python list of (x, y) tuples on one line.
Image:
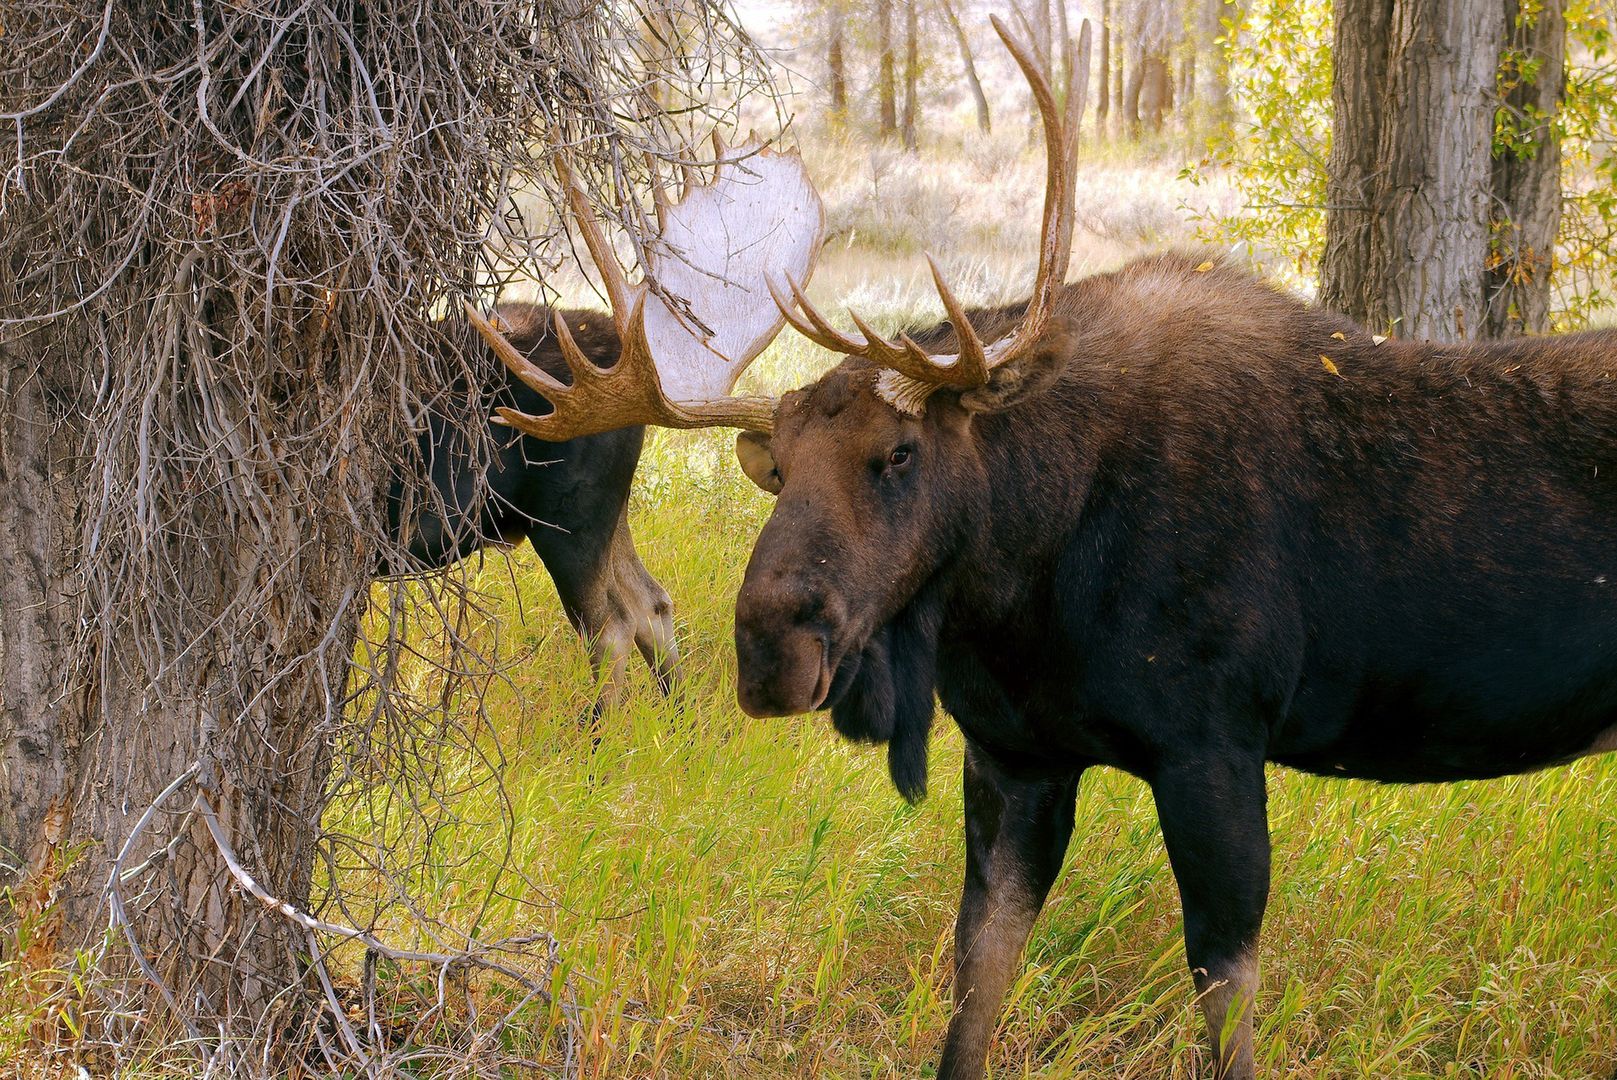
[(899, 458)]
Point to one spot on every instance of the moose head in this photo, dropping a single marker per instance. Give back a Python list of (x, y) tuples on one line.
[(876, 467)]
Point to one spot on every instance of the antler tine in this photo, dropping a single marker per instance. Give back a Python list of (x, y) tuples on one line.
[(1055, 246), (537, 377), (973, 357), (606, 263), (580, 365), (675, 366), (834, 342), (827, 335), (603, 399), (878, 348)]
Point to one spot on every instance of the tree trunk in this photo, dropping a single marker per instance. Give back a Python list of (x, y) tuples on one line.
[(1156, 91), (984, 121), (1135, 83), (1527, 172), (836, 61), (885, 75), (41, 703), (1063, 35), (102, 710), (1103, 97), (219, 328), (1120, 52), (1078, 80), (1043, 35), (1359, 49), (1424, 259), (1436, 145), (912, 73)]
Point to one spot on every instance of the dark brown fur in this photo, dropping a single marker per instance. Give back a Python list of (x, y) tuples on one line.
[(1205, 526), (568, 499)]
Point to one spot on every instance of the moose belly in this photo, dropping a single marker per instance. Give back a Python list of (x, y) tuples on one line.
[(1435, 731)]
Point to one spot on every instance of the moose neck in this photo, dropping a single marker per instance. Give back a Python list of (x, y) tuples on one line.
[(1034, 467)]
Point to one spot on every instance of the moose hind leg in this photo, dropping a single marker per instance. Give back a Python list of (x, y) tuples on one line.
[(1016, 837), (1215, 825)]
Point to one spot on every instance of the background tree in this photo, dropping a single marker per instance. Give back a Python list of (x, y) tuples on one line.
[(836, 59), (973, 81), (912, 73), (886, 87), (1428, 194), (1103, 97), (1526, 177), (227, 236)]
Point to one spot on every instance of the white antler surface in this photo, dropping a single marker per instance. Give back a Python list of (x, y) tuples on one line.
[(713, 257), (759, 217)]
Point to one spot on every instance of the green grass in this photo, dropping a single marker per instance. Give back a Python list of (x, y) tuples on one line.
[(758, 887), (750, 898)]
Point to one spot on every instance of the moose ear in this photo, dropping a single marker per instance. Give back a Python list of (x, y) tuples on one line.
[(752, 450), (1027, 376)]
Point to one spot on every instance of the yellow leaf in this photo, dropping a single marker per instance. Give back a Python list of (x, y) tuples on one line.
[(1204, 267), (1339, 336), (1378, 338), (1330, 367)]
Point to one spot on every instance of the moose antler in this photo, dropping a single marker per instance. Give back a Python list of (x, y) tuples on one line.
[(912, 372), (716, 249)]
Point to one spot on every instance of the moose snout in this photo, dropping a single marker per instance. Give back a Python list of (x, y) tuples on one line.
[(783, 646)]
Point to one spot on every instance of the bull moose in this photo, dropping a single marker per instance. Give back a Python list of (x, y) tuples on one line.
[(568, 499), (1176, 522)]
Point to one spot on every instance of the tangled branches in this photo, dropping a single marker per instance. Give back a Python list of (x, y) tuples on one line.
[(227, 235)]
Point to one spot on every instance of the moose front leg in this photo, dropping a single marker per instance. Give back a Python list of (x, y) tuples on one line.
[(1214, 817), (1016, 837)]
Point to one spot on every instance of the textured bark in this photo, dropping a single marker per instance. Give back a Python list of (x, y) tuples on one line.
[(1358, 90), (1416, 259), (912, 74), (1436, 144), (41, 705), (886, 68), (1527, 179), (975, 84)]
